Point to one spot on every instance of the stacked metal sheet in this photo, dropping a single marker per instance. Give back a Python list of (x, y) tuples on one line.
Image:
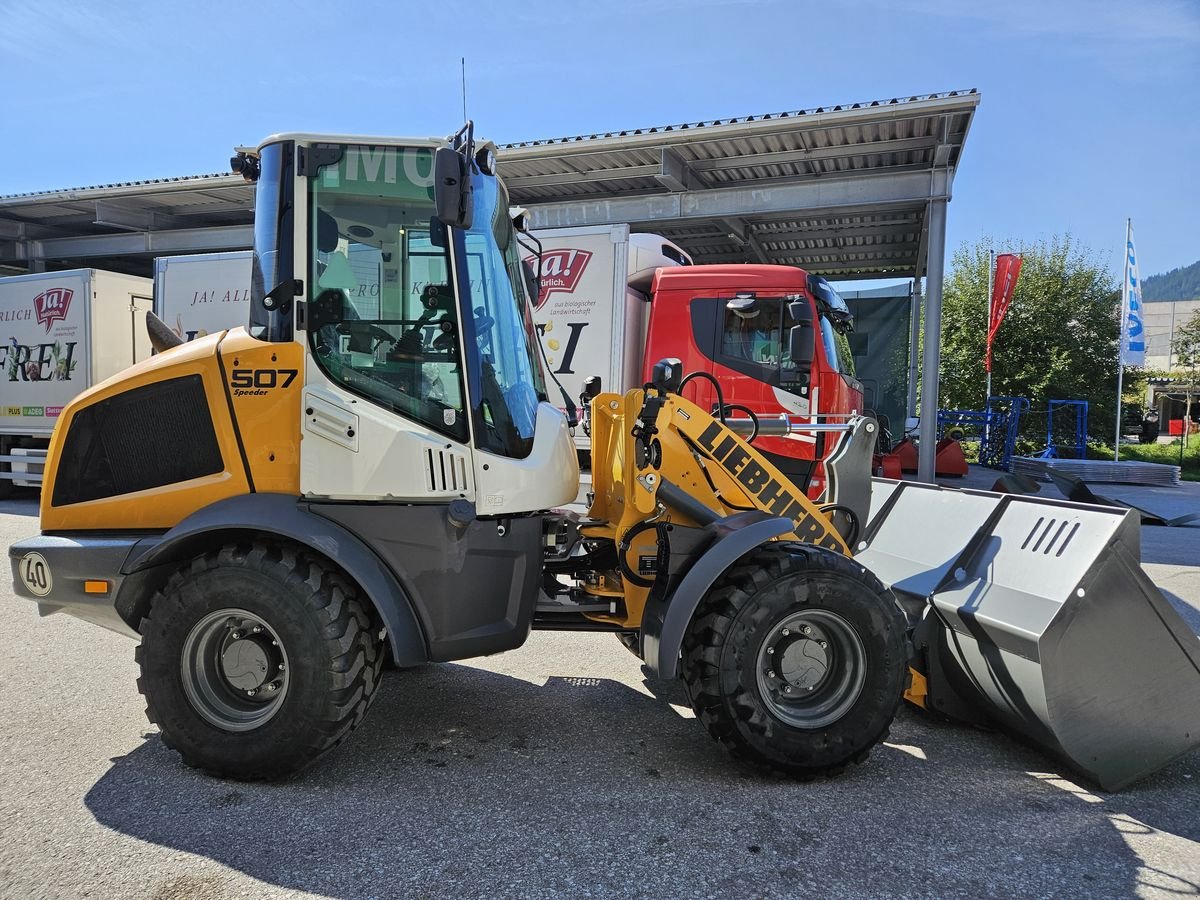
[(1123, 472)]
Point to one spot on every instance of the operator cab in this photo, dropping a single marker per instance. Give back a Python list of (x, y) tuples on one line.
[(386, 302)]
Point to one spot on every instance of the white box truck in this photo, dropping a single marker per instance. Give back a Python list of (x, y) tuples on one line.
[(60, 333), (592, 304), (203, 293)]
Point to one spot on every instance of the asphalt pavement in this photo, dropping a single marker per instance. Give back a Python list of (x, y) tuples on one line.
[(556, 770)]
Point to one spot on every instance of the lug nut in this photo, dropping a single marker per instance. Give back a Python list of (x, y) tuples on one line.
[(807, 629), (769, 673), (770, 650), (823, 644), (785, 632), (787, 688), (256, 629), (282, 667), (236, 634), (251, 693)]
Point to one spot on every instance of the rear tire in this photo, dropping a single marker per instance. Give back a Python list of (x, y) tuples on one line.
[(795, 660), (256, 660)]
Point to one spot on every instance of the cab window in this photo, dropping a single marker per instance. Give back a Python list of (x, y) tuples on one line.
[(754, 334), (383, 320)]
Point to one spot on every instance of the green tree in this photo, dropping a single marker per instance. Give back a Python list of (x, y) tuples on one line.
[(1186, 345), (1058, 340)]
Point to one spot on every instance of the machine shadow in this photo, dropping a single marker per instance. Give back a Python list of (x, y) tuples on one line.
[(557, 787)]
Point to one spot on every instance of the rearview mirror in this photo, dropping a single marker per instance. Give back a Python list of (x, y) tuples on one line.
[(801, 341), (452, 188), (532, 280)]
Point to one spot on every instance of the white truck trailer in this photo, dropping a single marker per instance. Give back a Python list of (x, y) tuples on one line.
[(60, 333), (592, 305), (203, 293)]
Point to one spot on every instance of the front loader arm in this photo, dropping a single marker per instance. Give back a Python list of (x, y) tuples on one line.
[(668, 482)]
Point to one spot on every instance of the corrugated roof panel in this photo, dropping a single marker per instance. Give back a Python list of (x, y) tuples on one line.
[(876, 139)]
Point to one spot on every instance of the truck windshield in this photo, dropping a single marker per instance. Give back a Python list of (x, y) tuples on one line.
[(836, 322), (506, 378)]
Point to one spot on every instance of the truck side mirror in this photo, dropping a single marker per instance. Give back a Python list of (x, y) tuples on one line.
[(801, 341), (591, 388), (452, 188)]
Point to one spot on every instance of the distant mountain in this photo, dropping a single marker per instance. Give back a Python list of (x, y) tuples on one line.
[(1178, 284)]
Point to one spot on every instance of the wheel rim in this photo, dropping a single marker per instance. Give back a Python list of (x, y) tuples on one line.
[(234, 670), (811, 668)]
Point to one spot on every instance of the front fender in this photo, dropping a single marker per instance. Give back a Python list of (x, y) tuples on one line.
[(286, 516), (667, 616)]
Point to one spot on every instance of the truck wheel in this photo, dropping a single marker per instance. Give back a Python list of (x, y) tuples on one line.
[(256, 659), (795, 660)]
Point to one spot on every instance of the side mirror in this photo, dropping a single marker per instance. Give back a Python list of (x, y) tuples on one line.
[(452, 188), (591, 388), (532, 278), (801, 341)]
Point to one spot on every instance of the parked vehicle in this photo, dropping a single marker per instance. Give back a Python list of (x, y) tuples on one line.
[(60, 333), (277, 508), (203, 293), (612, 304)]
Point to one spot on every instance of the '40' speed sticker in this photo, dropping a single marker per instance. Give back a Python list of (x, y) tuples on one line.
[(35, 573)]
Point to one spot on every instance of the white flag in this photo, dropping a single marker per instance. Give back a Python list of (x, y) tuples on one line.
[(1133, 339)]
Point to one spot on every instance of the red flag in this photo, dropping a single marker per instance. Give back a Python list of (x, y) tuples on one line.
[(1008, 267)]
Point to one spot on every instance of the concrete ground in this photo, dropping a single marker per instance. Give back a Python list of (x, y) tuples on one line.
[(556, 770)]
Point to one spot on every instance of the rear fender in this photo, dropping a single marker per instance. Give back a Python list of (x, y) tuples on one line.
[(669, 612), (283, 516)]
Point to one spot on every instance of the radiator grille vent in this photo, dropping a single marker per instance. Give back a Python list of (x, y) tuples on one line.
[(445, 472), (144, 438)]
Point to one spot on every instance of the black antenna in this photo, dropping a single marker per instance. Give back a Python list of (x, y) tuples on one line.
[(464, 87)]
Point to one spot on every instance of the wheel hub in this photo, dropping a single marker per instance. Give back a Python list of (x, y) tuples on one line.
[(811, 668), (245, 664), (234, 670), (802, 663)]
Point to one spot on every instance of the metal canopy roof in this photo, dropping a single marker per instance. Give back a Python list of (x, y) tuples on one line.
[(841, 190), (838, 190)]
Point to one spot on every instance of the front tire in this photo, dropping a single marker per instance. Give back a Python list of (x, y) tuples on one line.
[(256, 660), (795, 660)]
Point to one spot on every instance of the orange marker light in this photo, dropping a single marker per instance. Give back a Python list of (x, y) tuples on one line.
[(95, 587)]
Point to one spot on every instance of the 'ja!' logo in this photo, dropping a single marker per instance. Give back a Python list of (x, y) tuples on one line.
[(51, 306)]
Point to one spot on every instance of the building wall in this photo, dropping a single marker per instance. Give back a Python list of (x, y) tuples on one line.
[(1160, 321)]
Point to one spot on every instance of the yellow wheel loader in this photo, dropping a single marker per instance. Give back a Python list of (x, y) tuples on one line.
[(373, 467)]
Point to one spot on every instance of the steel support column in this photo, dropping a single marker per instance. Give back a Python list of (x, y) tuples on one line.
[(914, 346), (931, 357)]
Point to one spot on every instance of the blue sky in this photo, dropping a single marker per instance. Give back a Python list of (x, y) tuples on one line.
[(1089, 111)]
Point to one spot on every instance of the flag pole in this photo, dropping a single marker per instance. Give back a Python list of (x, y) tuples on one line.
[(987, 338), (987, 332), (1121, 342)]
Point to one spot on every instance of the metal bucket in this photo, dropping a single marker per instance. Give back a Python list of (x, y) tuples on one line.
[(1037, 613)]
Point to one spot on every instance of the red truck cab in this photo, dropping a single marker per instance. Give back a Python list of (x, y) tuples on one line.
[(733, 322)]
